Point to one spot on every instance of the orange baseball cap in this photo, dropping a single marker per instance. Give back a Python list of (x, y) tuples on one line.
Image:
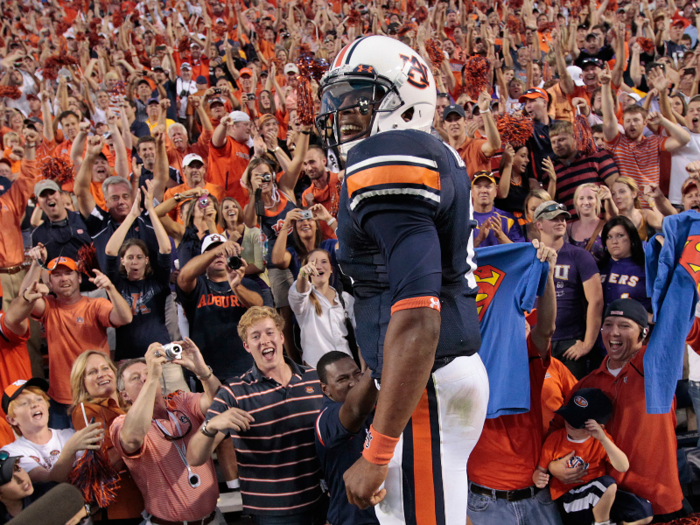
[(15, 389), (62, 261), (534, 93), (246, 71)]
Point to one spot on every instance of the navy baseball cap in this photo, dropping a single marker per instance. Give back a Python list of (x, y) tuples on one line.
[(585, 404), (629, 309), (590, 61), (453, 108), (201, 80), (7, 467), (152, 100)]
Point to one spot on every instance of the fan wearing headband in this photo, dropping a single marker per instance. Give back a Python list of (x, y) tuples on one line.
[(405, 233)]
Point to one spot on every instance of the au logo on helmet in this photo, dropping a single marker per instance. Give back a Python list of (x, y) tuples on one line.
[(418, 74)]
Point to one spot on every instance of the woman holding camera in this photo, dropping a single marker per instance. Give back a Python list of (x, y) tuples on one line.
[(306, 237), (93, 381), (320, 310), (143, 285)]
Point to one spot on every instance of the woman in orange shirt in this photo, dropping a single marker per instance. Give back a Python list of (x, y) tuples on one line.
[(93, 381)]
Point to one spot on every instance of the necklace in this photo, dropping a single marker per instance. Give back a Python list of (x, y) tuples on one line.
[(192, 478)]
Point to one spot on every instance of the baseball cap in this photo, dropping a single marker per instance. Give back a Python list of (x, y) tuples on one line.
[(591, 61), (532, 94), (201, 80), (185, 65), (266, 117), (483, 174), (152, 100), (32, 96), (291, 68), (453, 108), (190, 158), (212, 240), (216, 100), (549, 210), (220, 21), (194, 44), (585, 404), (6, 161), (635, 96), (7, 467), (62, 261), (156, 68), (575, 73), (44, 185), (677, 20), (239, 116), (246, 71), (688, 185), (629, 309), (264, 73), (13, 391), (69, 33)]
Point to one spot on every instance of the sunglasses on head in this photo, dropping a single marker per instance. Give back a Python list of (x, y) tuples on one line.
[(553, 207)]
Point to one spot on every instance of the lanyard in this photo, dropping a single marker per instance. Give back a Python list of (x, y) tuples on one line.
[(192, 478)]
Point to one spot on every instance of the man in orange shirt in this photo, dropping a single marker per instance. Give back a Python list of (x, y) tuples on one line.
[(72, 322), (194, 169), (13, 204), (230, 154), (474, 152), (500, 467), (324, 187), (14, 358), (177, 142), (649, 440)]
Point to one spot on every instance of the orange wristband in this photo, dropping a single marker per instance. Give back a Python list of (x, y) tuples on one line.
[(379, 449)]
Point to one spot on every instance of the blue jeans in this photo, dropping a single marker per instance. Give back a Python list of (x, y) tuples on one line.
[(487, 510), (58, 416)]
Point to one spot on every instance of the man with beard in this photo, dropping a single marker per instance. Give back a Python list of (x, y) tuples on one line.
[(324, 187), (574, 168), (72, 321), (638, 156)]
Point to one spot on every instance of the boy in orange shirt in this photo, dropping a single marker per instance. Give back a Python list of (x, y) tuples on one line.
[(596, 497)]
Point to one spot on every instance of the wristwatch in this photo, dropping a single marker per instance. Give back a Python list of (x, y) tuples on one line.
[(204, 431)]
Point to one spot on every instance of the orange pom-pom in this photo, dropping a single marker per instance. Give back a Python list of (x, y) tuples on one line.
[(117, 19), (647, 45), (476, 69), (435, 53), (583, 135), (421, 14), (87, 259), (12, 92), (514, 130), (58, 169)]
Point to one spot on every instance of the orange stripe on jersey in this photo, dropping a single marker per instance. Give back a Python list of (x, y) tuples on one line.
[(393, 175), (423, 465), (416, 302)]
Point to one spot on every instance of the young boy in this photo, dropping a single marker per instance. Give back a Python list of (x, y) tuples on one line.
[(596, 497), (46, 454)]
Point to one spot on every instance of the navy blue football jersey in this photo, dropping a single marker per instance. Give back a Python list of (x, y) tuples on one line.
[(405, 233)]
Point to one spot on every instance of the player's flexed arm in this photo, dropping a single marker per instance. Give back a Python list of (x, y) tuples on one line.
[(412, 250)]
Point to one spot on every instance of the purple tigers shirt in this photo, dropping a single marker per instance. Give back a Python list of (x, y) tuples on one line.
[(574, 267), (624, 279)]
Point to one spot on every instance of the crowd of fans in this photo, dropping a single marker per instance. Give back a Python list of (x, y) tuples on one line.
[(157, 186)]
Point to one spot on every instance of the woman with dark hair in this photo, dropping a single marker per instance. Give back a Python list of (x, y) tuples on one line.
[(231, 221), (306, 237), (143, 285), (622, 270), (199, 214), (514, 182), (268, 106)]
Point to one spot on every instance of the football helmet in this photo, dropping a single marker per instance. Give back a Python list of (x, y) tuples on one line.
[(375, 84)]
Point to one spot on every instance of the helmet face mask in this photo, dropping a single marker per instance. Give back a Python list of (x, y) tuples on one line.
[(349, 106), (376, 84)]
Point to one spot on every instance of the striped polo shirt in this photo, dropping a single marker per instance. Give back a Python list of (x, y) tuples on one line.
[(639, 160), (595, 168), (277, 463)]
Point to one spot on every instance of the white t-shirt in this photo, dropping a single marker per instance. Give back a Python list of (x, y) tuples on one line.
[(679, 160), (34, 455)]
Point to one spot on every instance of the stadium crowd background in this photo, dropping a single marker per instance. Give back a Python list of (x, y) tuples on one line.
[(146, 144)]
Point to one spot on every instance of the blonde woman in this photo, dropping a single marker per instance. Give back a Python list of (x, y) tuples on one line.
[(625, 195), (93, 381), (532, 201), (585, 231), (320, 310)]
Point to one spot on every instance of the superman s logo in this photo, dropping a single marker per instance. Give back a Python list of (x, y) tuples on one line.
[(489, 279), (690, 259)]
